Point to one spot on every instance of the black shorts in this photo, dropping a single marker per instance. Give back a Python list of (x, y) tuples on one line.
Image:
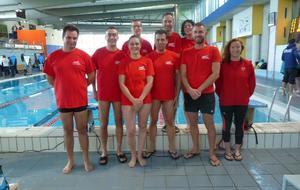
[(205, 103), (289, 76), (67, 110)]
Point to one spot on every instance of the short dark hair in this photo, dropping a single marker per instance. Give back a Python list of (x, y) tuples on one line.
[(199, 24), (70, 27), (168, 13), (134, 36), (182, 26), (111, 28), (292, 41), (160, 31)]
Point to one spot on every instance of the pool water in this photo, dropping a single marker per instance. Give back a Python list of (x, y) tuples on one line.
[(31, 102)]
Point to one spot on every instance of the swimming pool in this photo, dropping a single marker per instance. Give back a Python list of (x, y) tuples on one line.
[(31, 102)]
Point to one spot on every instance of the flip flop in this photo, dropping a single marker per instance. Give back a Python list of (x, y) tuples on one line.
[(103, 160), (121, 158), (237, 157), (147, 154), (228, 157), (214, 163), (173, 155), (190, 155)]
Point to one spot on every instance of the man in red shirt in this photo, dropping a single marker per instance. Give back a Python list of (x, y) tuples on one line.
[(174, 44), (66, 71), (165, 91), (137, 29), (107, 92), (174, 39), (199, 69)]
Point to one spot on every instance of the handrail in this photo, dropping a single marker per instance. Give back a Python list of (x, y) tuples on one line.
[(287, 111), (272, 103)]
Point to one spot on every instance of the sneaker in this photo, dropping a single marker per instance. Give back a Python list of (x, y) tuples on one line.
[(164, 129)]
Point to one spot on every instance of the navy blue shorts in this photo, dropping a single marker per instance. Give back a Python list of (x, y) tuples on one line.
[(205, 103), (67, 110)]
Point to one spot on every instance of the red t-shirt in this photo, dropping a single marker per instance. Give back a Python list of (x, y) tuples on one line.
[(199, 65), (187, 43), (174, 43), (68, 70), (236, 83), (145, 49), (136, 72), (165, 66), (107, 64)]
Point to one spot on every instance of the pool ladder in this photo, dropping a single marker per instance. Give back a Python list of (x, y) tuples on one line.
[(287, 109)]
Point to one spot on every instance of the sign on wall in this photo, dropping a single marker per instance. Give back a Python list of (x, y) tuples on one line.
[(242, 23)]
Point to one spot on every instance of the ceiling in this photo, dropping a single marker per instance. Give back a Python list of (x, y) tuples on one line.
[(93, 14)]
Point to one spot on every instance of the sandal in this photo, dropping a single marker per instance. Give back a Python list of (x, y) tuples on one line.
[(190, 155), (237, 157), (103, 160), (121, 158), (173, 155), (214, 163), (147, 154), (229, 156)]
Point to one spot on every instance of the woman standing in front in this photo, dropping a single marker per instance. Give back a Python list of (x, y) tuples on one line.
[(135, 79), (234, 87)]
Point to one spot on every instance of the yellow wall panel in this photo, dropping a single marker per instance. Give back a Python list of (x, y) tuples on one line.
[(257, 22), (283, 24), (220, 33)]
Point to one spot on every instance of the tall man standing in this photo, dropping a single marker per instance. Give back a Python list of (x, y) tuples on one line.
[(107, 60), (165, 91), (137, 29), (66, 71), (174, 44), (199, 69)]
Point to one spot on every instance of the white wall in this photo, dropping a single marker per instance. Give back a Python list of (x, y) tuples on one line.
[(265, 34)]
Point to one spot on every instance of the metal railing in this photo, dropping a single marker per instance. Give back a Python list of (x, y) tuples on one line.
[(287, 116), (272, 103)]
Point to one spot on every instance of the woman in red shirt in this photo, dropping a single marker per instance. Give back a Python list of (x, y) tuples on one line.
[(234, 87), (135, 79)]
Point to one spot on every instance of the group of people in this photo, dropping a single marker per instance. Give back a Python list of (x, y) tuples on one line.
[(138, 81), (8, 66)]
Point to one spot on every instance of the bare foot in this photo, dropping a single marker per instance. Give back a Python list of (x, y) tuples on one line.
[(68, 168), (88, 166), (132, 163), (142, 162)]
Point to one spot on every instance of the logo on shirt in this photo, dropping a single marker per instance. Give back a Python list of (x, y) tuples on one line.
[(171, 44), (205, 57), (117, 62), (142, 68), (243, 68), (169, 63), (76, 63)]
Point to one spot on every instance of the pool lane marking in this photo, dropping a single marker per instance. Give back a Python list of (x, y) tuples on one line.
[(5, 104), (46, 118), (52, 121)]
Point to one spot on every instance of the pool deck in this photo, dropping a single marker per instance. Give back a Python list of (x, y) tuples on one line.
[(264, 164)]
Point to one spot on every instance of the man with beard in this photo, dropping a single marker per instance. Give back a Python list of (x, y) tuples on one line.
[(199, 69)]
